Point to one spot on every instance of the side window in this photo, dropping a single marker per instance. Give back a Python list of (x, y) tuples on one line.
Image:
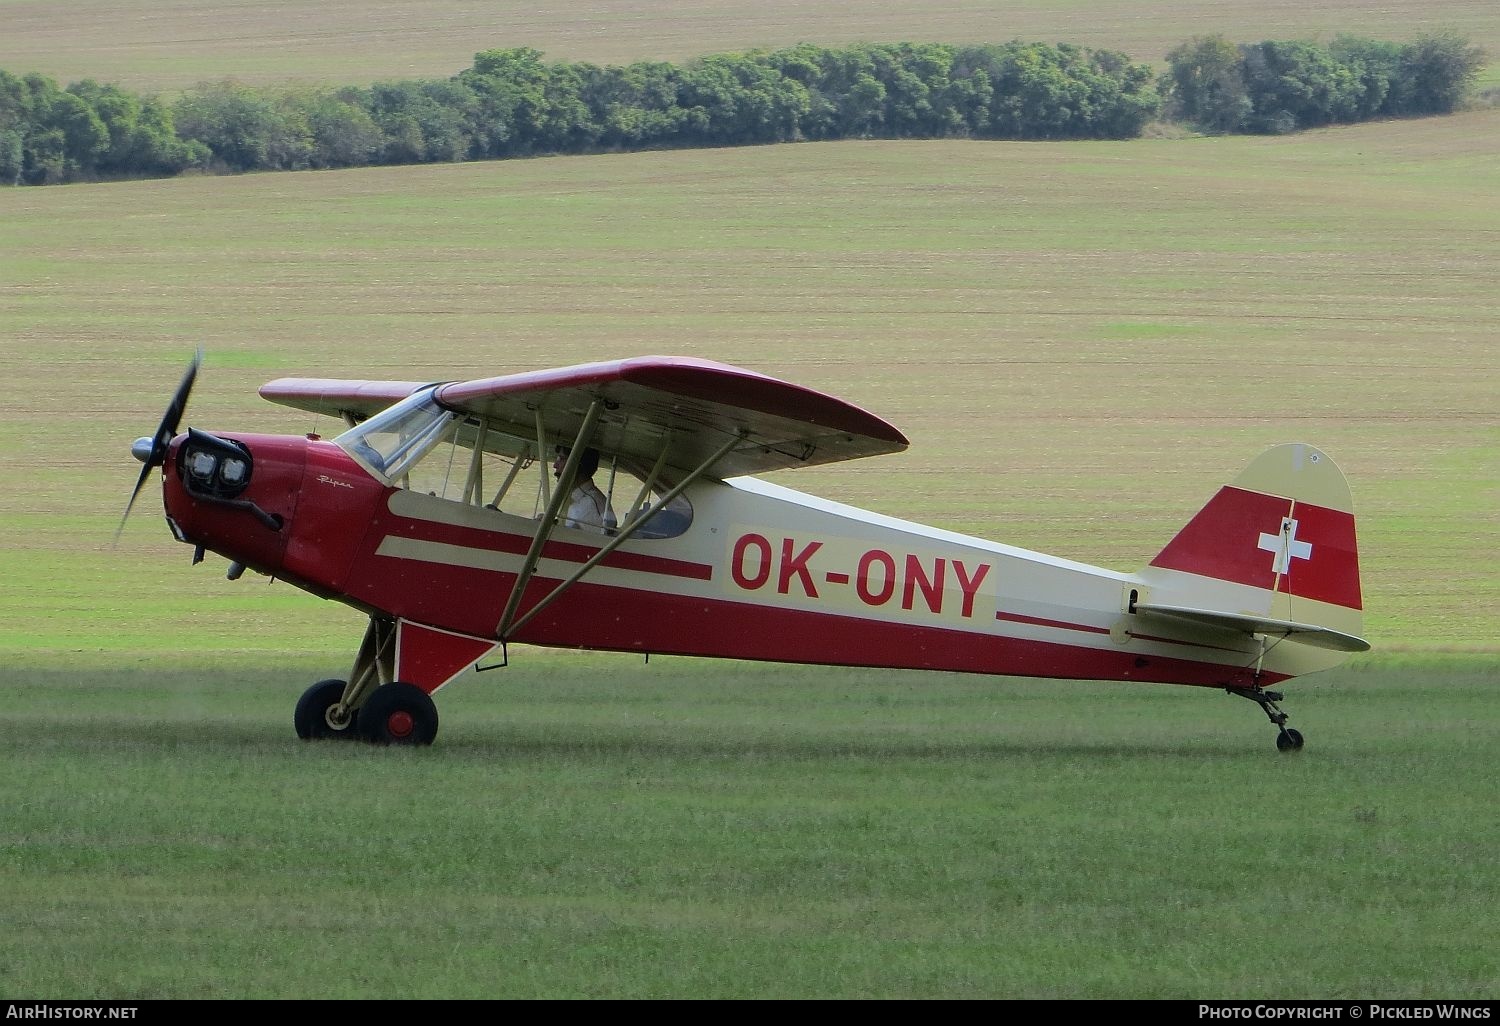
[(472, 463), (511, 480), (632, 500), (440, 471), (501, 471), (462, 461)]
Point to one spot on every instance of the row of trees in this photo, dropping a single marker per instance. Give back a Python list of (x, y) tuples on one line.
[(53, 135), (1282, 87), (514, 103)]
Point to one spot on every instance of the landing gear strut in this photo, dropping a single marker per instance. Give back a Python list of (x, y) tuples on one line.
[(1288, 739)]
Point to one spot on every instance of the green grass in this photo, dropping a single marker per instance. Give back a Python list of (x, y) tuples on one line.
[(587, 827)]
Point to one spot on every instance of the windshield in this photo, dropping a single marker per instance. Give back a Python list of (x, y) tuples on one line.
[(390, 442)]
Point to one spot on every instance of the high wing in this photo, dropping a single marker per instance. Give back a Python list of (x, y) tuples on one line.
[(689, 408), (353, 400)]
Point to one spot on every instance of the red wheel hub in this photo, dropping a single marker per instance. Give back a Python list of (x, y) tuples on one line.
[(400, 723)]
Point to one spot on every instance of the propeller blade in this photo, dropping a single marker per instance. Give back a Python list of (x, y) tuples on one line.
[(165, 432), (140, 483), (169, 421)]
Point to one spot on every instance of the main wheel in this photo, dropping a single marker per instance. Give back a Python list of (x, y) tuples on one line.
[(399, 714), (311, 717), (1289, 740)]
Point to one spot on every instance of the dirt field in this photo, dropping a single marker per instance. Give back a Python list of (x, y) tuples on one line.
[(1081, 340), (166, 45)]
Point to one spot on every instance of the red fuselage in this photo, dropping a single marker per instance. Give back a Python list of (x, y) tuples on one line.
[(323, 500), (748, 581)]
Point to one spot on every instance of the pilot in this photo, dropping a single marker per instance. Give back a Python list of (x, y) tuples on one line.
[(588, 508)]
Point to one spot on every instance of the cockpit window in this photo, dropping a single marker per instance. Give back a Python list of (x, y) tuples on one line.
[(392, 441), (636, 497), (418, 445)]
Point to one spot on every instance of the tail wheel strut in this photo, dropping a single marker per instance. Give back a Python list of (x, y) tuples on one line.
[(1288, 739)]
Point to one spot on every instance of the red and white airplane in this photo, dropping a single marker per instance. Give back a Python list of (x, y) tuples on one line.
[(442, 514)]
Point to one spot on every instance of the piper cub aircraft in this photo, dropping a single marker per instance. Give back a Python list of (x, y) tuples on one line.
[(450, 513)]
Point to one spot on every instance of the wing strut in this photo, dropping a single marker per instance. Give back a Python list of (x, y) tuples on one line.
[(549, 519), (624, 534), (650, 481), (523, 457)]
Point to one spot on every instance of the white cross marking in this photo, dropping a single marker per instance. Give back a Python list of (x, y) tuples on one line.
[(1286, 550)]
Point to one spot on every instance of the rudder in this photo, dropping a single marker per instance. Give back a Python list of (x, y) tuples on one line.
[(1277, 542)]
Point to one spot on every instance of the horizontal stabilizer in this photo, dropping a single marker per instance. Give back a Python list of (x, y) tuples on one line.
[(1306, 633)]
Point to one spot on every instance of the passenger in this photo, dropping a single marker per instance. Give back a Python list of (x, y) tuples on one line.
[(588, 508)]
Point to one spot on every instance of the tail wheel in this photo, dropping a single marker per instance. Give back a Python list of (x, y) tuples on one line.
[(312, 715), (399, 714), (1289, 740)]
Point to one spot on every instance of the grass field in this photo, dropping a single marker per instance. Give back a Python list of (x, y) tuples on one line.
[(1082, 341), (696, 829), (168, 45)]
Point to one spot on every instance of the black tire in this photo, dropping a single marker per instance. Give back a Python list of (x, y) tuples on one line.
[(1289, 740), (399, 714), (311, 717)]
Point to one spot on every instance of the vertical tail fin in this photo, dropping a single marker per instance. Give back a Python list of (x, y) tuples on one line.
[(1274, 546)]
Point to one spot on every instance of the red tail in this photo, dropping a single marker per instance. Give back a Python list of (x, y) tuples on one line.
[(1276, 542), (1273, 542)]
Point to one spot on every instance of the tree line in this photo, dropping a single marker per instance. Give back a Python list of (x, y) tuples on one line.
[(1276, 87), (513, 102)]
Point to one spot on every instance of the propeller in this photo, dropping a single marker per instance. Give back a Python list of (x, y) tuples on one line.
[(152, 451)]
